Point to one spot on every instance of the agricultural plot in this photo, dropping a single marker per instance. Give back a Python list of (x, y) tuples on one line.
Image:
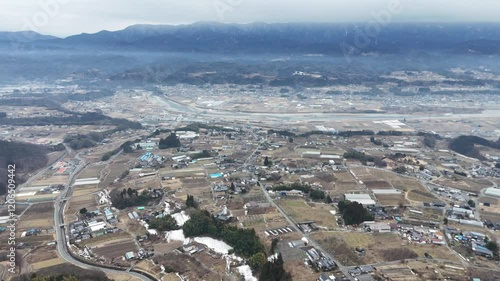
[(39, 216), (494, 217), (391, 199), (189, 266), (76, 203), (299, 271), (171, 184), (336, 246), (115, 249), (421, 196), (19, 209), (114, 170), (343, 176), (466, 184), (50, 180), (344, 183), (395, 180), (301, 211), (194, 182), (102, 240), (127, 277), (379, 247), (92, 171), (374, 184), (183, 173), (53, 156), (314, 180), (48, 263), (41, 254)]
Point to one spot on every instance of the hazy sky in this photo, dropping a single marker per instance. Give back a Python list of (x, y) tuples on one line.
[(67, 17)]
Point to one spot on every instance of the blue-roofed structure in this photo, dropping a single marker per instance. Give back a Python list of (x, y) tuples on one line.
[(216, 176)]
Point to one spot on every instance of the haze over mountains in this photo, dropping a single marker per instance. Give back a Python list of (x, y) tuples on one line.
[(279, 38), (155, 53)]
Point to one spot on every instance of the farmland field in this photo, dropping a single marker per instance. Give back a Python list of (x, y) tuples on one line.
[(391, 199), (48, 263), (301, 211), (115, 249), (421, 196), (37, 216)]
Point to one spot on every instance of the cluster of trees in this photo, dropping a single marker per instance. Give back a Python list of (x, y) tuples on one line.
[(124, 174), (375, 141), (390, 133), (127, 148), (204, 154), (191, 202), (157, 132), (129, 198), (348, 134), (267, 162), (57, 147), (195, 127), (172, 141), (361, 156), (274, 271), (110, 154), (283, 133), (353, 212), (471, 203), (400, 169), (429, 141), (315, 194), (465, 145), (81, 141), (165, 223), (492, 246), (245, 242), (294, 186), (91, 118), (102, 93)]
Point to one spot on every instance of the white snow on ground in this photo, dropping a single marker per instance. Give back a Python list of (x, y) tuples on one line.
[(216, 245), (181, 218), (246, 272), (175, 235)]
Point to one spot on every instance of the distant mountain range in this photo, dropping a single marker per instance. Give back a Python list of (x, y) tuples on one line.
[(293, 38), (23, 37)]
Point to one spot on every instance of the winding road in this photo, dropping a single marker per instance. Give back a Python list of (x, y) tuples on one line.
[(62, 243)]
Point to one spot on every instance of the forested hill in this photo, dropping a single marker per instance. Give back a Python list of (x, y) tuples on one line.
[(27, 158), (466, 145), (64, 272)]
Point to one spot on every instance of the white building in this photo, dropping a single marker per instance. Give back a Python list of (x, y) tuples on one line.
[(495, 192), (363, 199)]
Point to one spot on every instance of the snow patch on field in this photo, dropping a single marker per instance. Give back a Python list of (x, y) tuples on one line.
[(175, 235), (216, 245), (246, 272), (181, 218)]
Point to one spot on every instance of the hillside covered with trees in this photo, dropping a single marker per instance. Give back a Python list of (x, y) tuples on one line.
[(27, 158), (64, 272), (466, 145)]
